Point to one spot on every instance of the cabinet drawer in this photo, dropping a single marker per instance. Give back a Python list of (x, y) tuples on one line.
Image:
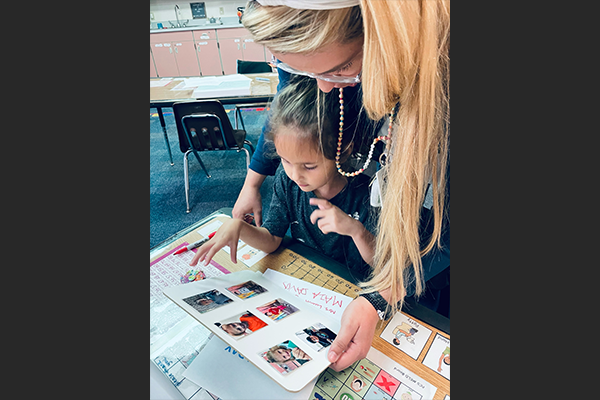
[(204, 34), (230, 33), (171, 37)]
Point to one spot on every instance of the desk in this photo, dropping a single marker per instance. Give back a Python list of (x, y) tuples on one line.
[(334, 280), (163, 96)]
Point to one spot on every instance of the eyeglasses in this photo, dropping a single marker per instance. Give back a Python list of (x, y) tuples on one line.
[(324, 77)]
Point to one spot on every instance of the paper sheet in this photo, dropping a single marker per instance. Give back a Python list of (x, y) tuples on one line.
[(228, 85), (324, 300), (216, 86), (224, 372), (160, 83)]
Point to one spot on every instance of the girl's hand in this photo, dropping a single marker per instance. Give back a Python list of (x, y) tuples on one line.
[(356, 334), (331, 219), (227, 235)]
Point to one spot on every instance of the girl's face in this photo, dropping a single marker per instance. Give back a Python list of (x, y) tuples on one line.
[(282, 355), (304, 165), (334, 59), (234, 328)]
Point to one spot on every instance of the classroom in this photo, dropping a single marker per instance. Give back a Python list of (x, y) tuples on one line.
[(272, 173)]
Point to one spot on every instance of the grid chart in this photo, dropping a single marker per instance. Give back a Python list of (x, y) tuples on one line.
[(362, 380), (293, 264)]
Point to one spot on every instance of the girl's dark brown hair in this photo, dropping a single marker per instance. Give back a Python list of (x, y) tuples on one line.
[(313, 114)]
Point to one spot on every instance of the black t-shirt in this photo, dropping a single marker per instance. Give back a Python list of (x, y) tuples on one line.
[(290, 207)]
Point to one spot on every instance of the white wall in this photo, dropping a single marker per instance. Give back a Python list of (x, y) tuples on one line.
[(164, 10)]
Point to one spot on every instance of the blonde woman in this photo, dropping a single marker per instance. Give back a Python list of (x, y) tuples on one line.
[(397, 51)]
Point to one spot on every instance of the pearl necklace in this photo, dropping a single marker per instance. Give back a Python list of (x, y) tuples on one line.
[(387, 138)]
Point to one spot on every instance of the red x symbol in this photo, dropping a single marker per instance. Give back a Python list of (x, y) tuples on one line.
[(385, 383)]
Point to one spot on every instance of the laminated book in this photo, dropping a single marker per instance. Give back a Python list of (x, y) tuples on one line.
[(280, 334)]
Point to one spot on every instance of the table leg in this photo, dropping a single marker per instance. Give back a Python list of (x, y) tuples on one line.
[(164, 128)]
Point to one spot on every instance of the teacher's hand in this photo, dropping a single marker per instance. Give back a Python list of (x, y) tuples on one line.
[(356, 334)]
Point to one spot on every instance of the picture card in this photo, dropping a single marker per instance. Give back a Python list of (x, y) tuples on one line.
[(249, 255), (227, 249), (210, 228), (247, 290), (317, 336), (241, 325), (406, 334), (277, 309), (283, 313), (207, 301), (285, 357), (438, 356)]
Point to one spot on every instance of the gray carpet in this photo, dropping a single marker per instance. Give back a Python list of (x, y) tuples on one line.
[(167, 190)]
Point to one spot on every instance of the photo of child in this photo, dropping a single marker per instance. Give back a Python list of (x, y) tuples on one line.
[(277, 309), (285, 357), (207, 301), (247, 290), (241, 325), (317, 336)]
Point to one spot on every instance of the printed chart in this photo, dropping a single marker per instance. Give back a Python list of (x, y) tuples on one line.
[(293, 264), (376, 377)]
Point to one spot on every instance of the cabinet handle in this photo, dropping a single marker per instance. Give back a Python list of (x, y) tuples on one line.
[(176, 50), (244, 46), (170, 50), (238, 46)]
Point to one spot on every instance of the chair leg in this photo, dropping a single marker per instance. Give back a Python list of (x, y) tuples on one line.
[(201, 163), (238, 111), (249, 143), (186, 180), (247, 156)]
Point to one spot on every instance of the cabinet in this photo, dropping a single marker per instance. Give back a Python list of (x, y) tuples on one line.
[(202, 52), (237, 44), (174, 54), (208, 57), (185, 55), (207, 51), (152, 67)]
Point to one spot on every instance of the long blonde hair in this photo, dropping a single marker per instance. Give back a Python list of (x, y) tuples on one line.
[(406, 60)]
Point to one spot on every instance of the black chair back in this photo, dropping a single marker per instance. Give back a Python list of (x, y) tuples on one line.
[(208, 126), (252, 67)]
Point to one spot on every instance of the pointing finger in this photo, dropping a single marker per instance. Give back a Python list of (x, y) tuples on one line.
[(315, 216)]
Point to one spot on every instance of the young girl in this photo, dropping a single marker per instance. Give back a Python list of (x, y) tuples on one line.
[(326, 211)]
